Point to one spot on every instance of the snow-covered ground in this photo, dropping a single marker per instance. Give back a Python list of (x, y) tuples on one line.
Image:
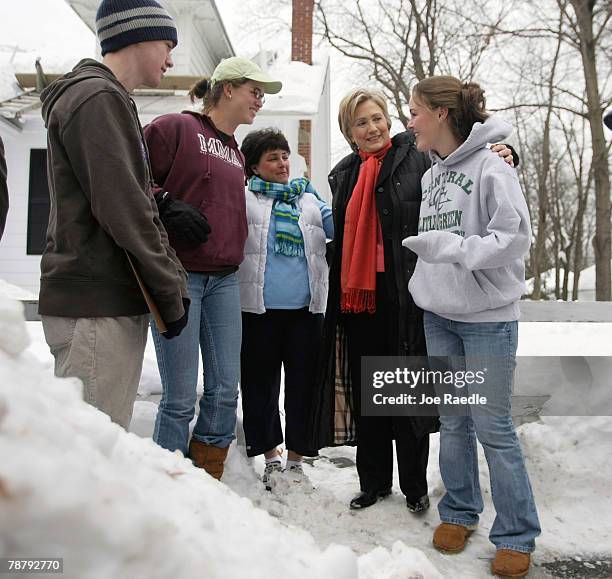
[(115, 505)]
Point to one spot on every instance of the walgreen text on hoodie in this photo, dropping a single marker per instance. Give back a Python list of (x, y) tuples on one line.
[(474, 231), (101, 205)]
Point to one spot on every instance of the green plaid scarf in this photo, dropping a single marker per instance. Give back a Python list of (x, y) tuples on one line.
[(288, 240)]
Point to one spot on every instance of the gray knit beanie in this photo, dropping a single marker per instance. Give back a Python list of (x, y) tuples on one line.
[(120, 23)]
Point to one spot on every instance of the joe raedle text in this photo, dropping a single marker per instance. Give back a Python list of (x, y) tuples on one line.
[(424, 399)]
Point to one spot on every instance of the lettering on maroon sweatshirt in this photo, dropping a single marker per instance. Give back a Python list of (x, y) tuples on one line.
[(215, 147)]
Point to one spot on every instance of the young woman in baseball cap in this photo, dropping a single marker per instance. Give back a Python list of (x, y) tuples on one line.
[(200, 176)]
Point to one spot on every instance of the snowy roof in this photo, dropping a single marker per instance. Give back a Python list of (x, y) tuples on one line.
[(303, 85), (9, 87)]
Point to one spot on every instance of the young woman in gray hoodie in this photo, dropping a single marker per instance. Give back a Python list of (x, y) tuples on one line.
[(473, 234)]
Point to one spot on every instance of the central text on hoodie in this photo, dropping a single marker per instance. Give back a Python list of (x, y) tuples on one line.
[(437, 196)]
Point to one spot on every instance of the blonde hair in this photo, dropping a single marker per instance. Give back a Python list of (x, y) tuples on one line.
[(348, 107), (465, 101)]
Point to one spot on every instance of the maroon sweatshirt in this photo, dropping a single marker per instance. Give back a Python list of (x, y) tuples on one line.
[(199, 165)]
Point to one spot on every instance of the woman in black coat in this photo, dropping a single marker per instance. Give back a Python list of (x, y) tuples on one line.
[(384, 175)]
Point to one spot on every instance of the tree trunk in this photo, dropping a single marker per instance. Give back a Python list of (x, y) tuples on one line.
[(601, 173), (543, 178), (583, 193)]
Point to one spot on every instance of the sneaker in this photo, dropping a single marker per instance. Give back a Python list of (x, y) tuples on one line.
[(294, 476), (295, 473), (418, 506), (296, 469), (271, 468)]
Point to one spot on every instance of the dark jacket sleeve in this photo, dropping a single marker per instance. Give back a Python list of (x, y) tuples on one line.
[(4, 198), (114, 178)]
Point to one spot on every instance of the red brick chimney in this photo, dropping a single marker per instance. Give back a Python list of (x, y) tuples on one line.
[(301, 50)]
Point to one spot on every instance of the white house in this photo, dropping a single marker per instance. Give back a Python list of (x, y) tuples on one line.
[(203, 44)]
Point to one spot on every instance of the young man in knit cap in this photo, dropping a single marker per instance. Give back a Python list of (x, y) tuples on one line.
[(103, 222)]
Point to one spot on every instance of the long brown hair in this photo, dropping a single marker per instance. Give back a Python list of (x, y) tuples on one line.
[(211, 93), (465, 101)]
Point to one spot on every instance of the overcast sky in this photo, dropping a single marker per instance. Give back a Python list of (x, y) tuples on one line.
[(52, 30), (46, 28)]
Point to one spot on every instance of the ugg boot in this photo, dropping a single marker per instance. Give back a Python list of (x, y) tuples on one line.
[(208, 457), (508, 563), (450, 538)]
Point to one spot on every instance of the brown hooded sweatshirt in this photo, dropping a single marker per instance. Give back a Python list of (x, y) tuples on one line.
[(101, 205)]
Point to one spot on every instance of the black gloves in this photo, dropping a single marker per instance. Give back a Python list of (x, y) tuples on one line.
[(183, 221), (173, 329)]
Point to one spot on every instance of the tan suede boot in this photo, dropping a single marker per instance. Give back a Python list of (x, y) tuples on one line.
[(208, 457), (508, 563), (450, 538)]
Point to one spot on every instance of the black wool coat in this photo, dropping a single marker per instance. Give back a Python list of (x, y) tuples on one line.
[(398, 201)]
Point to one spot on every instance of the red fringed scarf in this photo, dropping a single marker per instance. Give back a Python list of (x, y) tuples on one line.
[(358, 268)]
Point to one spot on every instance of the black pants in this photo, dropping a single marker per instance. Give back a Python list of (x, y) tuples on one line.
[(373, 335), (290, 338)]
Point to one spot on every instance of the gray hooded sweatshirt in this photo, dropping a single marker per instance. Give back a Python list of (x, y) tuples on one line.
[(474, 231)]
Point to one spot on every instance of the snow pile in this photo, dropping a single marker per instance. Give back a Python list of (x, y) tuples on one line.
[(401, 562), (74, 485), (8, 290), (113, 504), (14, 337), (570, 470)]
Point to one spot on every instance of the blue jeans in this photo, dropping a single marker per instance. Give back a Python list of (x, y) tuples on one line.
[(215, 327), (516, 523)]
